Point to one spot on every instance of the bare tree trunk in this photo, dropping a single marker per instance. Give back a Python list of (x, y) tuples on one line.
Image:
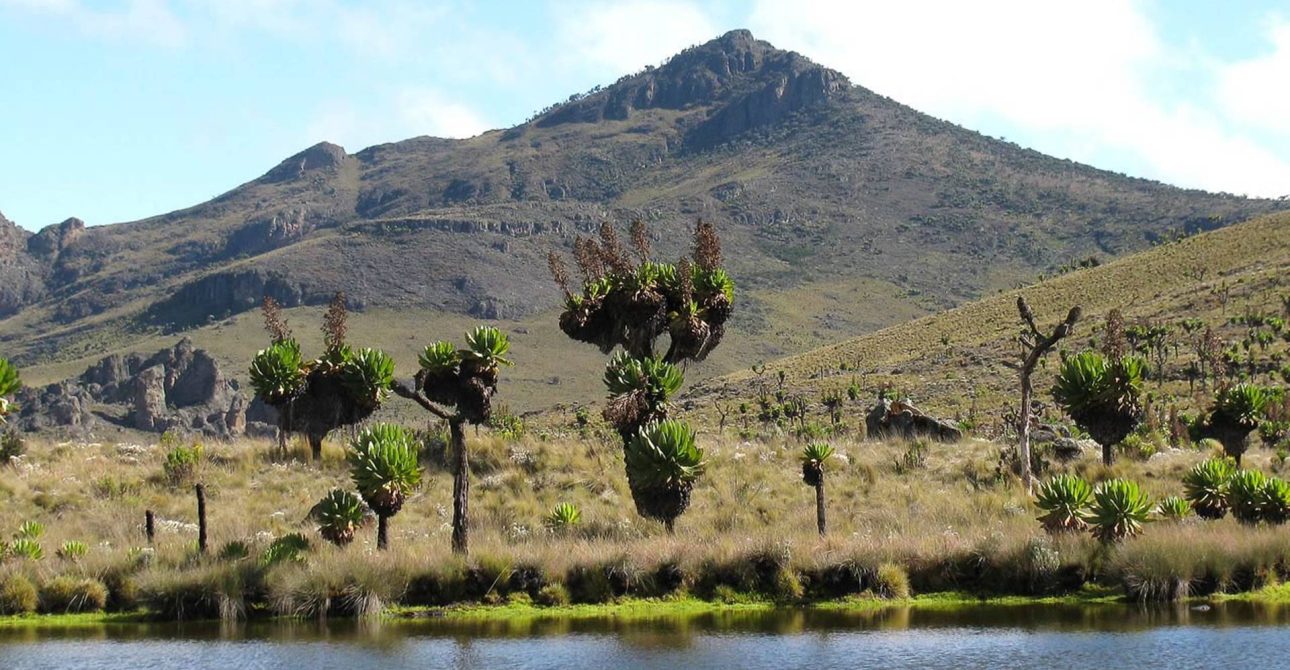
[(149, 525), (315, 446), (1035, 345), (382, 532), (460, 489), (670, 525), (1108, 455), (201, 518), (1023, 447), (819, 506)]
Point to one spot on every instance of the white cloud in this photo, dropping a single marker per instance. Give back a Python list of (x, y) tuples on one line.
[(405, 113), (622, 37), (149, 21), (1079, 73), (1255, 91), (426, 112)]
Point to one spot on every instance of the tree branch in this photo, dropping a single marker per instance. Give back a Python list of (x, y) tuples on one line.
[(401, 389)]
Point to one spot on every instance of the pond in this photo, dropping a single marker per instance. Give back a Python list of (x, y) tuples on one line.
[(1012, 636)]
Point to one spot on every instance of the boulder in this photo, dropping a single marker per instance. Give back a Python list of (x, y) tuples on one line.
[(903, 419)]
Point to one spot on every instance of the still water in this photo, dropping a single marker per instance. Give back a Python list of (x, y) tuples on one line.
[(1104, 636)]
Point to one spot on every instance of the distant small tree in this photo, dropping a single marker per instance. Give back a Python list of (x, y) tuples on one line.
[(1034, 346), (631, 303), (1237, 411), (457, 385), (340, 388), (814, 456)]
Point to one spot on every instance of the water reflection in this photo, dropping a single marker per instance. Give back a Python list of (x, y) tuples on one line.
[(981, 636)]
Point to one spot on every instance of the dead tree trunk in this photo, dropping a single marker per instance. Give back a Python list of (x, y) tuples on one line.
[(201, 518), (1035, 345), (819, 506), (460, 489), (149, 525)]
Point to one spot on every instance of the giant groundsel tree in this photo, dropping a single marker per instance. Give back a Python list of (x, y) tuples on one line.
[(457, 385), (628, 301), (340, 388), (1102, 396)]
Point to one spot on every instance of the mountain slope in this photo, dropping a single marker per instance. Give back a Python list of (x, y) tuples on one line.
[(953, 361), (841, 211)]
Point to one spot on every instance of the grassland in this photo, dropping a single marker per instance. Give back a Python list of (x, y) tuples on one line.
[(949, 524)]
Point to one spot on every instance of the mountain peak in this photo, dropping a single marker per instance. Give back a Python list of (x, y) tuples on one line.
[(323, 155), (734, 74)]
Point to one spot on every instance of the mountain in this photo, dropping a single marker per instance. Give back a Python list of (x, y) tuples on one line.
[(841, 211)]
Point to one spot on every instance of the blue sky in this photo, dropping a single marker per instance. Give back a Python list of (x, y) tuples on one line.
[(113, 111)]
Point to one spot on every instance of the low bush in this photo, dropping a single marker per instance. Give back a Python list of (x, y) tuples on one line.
[(67, 594), (17, 595), (552, 595)]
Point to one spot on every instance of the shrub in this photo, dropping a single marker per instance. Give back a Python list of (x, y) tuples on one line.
[(11, 446), (340, 513), (552, 595), (10, 382), (181, 464), (1245, 496), (1276, 500), (26, 548), (891, 581), (1206, 486), (72, 550), (1173, 508), (234, 550), (1064, 501), (563, 517), (1119, 510), (70, 594), (290, 547), (30, 530), (17, 595)]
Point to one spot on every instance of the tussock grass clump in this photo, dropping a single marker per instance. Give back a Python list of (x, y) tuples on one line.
[(210, 591), (1179, 560), (67, 594), (17, 595)]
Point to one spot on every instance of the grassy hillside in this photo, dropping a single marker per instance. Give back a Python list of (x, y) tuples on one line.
[(954, 360)]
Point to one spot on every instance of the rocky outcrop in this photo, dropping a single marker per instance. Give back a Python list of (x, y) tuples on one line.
[(323, 156), (52, 240), (266, 233), (180, 388), (903, 419), (748, 82), (22, 276)]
